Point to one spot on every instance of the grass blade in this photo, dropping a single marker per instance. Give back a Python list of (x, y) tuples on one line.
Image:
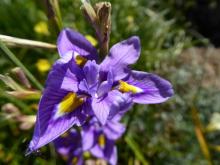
[(17, 62)]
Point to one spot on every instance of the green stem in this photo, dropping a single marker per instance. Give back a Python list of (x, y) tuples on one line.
[(54, 15), (17, 62), (199, 131), (56, 7), (136, 149)]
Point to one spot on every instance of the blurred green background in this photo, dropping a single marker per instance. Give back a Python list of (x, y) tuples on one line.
[(184, 130)]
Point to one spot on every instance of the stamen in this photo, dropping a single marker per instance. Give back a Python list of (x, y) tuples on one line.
[(101, 140), (125, 87)]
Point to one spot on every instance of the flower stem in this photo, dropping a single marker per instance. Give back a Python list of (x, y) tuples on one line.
[(136, 149), (17, 62), (14, 41)]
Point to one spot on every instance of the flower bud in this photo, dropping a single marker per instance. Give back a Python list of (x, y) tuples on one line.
[(21, 77)]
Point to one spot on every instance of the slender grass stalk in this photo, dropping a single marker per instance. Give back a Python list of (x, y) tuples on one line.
[(200, 135), (19, 42), (199, 129), (56, 7), (53, 153), (135, 148), (17, 62), (54, 14)]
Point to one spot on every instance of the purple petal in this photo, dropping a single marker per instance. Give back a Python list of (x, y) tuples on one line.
[(70, 146), (105, 108), (70, 41), (88, 138), (105, 86), (67, 143), (64, 74), (101, 109), (110, 152), (113, 130), (120, 56), (83, 86), (87, 107), (48, 126), (97, 151), (91, 72), (114, 156), (122, 105), (70, 81), (90, 82), (155, 89)]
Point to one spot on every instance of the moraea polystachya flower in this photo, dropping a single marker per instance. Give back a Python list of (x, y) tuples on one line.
[(78, 87), (100, 140), (69, 146), (94, 139)]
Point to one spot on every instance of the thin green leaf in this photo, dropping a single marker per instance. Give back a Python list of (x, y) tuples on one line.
[(135, 148), (17, 62)]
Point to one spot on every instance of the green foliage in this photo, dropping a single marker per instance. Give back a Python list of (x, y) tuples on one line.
[(158, 134)]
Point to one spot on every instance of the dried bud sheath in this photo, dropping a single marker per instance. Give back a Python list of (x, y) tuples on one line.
[(21, 77), (100, 18)]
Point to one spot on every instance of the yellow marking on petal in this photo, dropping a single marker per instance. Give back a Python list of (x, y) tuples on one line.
[(101, 141), (80, 60), (69, 103), (125, 87), (43, 65), (74, 160), (92, 40)]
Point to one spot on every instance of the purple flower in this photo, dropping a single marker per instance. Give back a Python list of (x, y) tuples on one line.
[(69, 146), (145, 88), (94, 138), (77, 87), (99, 140), (74, 91)]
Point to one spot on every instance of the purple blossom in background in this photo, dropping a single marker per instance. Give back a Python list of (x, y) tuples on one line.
[(95, 139), (100, 140), (78, 88), (69, 145)]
